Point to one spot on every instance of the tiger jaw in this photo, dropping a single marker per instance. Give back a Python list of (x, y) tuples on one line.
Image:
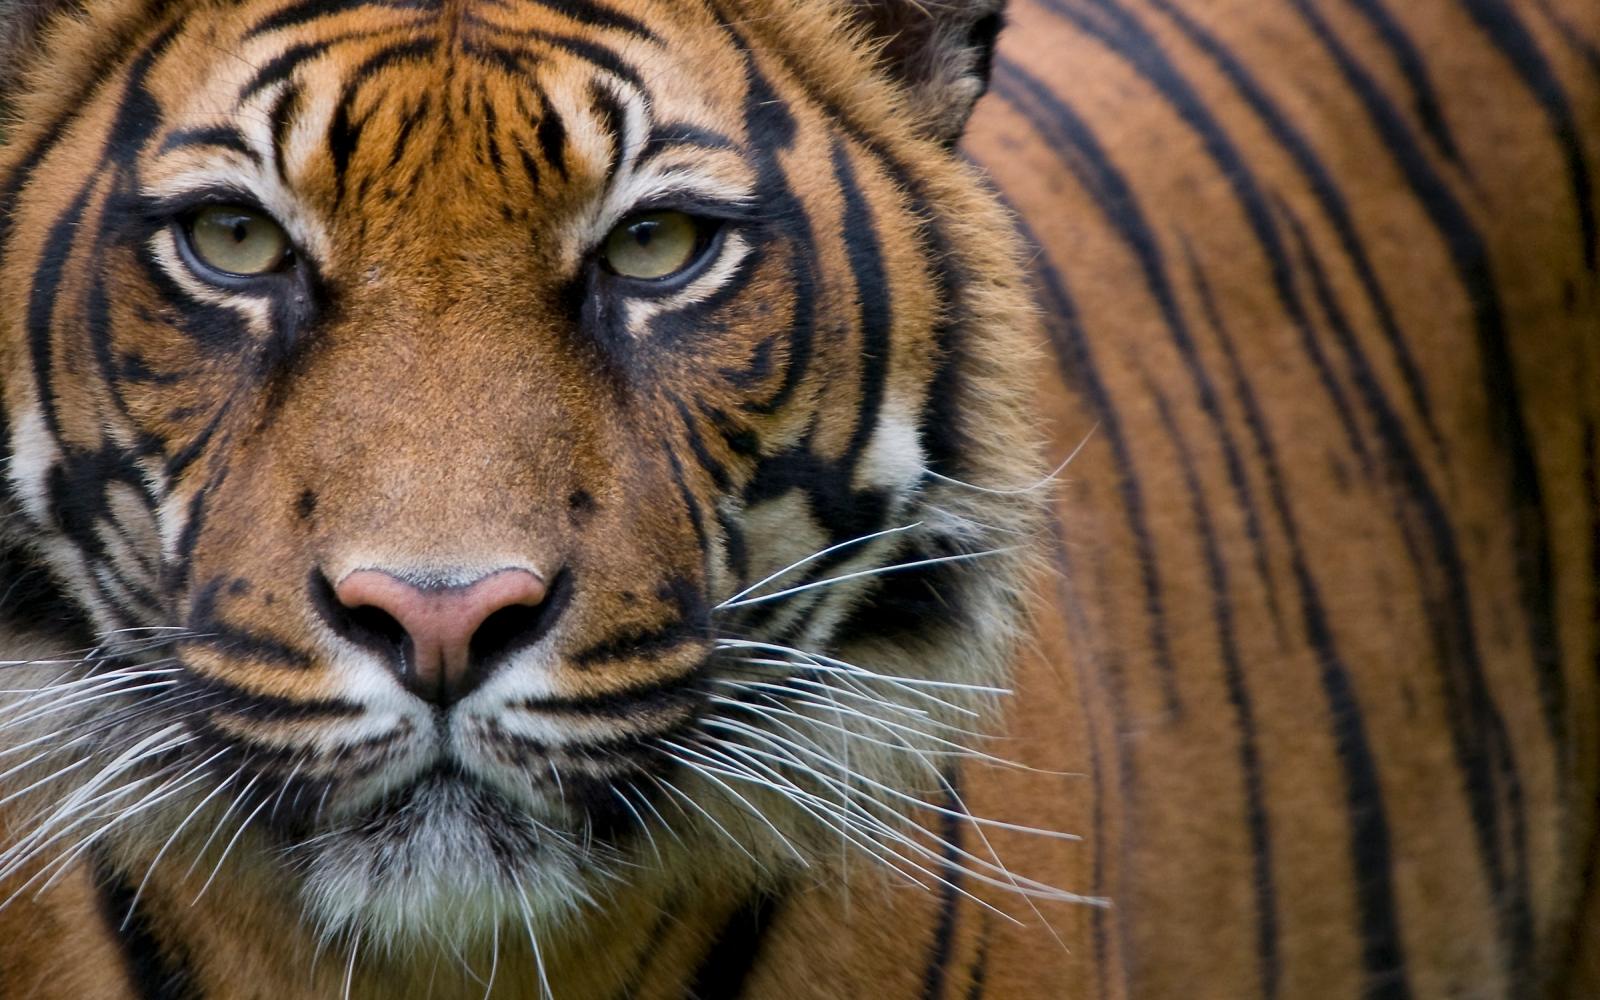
[(443, 857)]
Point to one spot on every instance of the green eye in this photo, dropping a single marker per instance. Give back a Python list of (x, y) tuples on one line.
[(238, 241), (653, 245)]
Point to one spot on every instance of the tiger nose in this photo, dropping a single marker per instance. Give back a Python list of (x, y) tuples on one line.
[(436, 633)]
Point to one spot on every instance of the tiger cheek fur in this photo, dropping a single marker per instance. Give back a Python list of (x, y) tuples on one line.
[(444, 386)]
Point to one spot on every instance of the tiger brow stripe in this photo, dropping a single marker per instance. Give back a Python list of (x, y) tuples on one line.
[(215, 136), (1508, 34), (552, 136), (1328, 194), (597, 15), (408, 125), (305, 12), (285, 108), (286, 63), (1371, 857), (344, 135), (613, 125), (520, 56)]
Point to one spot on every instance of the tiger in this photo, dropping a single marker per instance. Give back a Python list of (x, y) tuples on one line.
[(818, 499)]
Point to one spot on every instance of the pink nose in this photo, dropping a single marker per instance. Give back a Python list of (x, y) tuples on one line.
[(439, 623)]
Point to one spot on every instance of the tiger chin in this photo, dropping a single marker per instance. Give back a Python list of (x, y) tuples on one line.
[(494, 457)]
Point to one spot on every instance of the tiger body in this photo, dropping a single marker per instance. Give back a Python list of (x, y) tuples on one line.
[(1301, 644)]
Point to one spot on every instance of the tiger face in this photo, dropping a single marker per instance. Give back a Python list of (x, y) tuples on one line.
[(486, 437)]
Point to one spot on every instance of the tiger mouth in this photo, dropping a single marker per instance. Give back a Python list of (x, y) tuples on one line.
[(446, 791), (448, 797)]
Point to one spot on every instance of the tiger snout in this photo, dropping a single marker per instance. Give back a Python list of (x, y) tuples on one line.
[(441, 637)]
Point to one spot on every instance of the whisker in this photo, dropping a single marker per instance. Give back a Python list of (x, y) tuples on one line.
[(813, 557), (858, 574), (1041, 484)]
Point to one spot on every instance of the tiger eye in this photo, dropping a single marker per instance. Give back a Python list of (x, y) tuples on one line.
[(652, 245), (238, 241)]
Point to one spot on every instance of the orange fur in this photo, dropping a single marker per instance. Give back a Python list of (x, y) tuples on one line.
[(1305, 656)]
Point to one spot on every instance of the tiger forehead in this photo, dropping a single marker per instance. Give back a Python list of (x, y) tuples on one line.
[(404, 86)]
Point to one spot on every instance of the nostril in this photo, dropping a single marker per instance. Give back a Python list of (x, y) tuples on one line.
[(369, 625), (442, 640), (517, 626), (365, 625)]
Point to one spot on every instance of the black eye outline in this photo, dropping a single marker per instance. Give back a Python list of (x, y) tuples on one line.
[(713, 224), (182, 228)]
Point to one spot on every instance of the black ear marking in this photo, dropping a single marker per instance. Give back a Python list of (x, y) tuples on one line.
[(942, 50)]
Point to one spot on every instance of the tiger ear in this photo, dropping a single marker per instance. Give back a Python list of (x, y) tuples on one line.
[(941, 50)]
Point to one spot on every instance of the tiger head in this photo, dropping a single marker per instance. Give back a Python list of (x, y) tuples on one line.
[(476, 439)]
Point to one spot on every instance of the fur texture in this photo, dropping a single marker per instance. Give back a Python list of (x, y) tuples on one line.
[(1292, 664)]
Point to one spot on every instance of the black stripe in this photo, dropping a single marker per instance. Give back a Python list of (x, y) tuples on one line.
[(220, 697), (726, 965), (1067, 132), (613, 125), (702, 456), (1471, 261), (217, 136), (1478, 732), (156, 972), (1131, 41), (978, 980), (343, 133), (528, 61), (876, 314), (770, 131), (42, 301), (936, 969), (1383, 955), (408, 125), (673, 135), (670, 694), (306, 11), (1518, 46), (552, 136), (1371, 857), (1222, 607), (596, 15), (1328, 194), (23, 171), (1415, 71)]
